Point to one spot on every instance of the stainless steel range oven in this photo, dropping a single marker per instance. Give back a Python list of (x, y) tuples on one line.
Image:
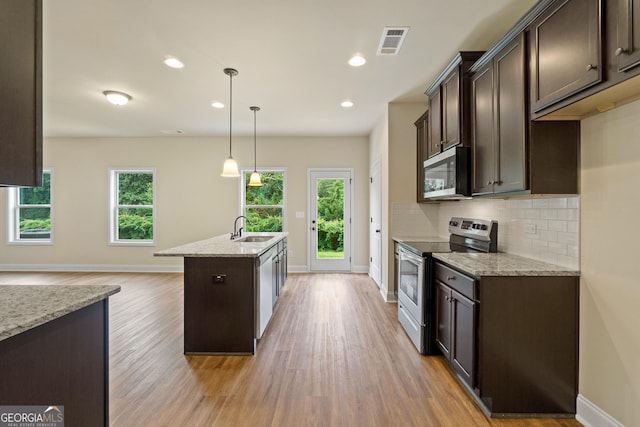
[(411, 298), (415, 278)]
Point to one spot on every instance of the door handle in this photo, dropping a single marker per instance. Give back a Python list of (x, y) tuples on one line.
[(377, 231)]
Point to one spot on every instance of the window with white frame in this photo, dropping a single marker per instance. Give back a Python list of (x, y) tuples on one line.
[(132, 201), (29, 216), (265, 206)]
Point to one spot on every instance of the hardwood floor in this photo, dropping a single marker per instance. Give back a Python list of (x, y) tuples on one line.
[(333, 355)]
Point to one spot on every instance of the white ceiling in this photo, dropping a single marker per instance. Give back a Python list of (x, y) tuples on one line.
[(291, 56)]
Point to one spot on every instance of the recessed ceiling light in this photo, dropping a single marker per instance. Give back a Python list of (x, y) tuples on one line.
[(347, 104), (357, 60), (173, 62), (117, 98), (217, 104)]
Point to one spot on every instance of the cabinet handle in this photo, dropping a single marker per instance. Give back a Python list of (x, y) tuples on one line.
[(451, 277), (490, 182), (497, 182), (619, 51), (591, 67)]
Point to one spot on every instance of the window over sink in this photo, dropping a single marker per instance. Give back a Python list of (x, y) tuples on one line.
[(265, 206)]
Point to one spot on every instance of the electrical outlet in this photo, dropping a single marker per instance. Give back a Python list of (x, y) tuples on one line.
[(299, 214), (530, 229)]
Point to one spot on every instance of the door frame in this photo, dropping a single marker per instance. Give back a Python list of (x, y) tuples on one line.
[(310, 250), (375, 238)]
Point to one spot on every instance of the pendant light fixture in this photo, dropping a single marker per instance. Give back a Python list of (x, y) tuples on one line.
[(254, 181), (230, 168)]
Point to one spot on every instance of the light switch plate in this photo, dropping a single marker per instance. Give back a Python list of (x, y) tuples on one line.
[(299, 214)]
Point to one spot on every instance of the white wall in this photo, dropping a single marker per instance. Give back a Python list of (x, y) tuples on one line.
[(193, 201), (610, 284), (392, 142)]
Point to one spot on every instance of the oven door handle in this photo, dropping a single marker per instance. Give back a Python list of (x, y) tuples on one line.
[(410, 256)]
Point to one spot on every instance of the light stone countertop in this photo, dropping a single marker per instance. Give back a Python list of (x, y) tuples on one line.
[(222, 246), (23, 307), (502, 264)]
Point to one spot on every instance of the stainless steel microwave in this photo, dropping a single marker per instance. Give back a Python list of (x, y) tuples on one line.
[(447, 175)]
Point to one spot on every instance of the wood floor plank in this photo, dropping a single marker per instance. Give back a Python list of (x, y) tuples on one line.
[(334, 354)]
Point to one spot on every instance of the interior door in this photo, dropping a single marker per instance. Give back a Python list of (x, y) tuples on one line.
[(330, 220), (375, 240)]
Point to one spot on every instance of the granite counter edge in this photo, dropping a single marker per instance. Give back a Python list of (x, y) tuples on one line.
[(47, 316)]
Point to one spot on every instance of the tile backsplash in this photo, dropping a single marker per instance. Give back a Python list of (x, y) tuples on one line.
[(546, 229)]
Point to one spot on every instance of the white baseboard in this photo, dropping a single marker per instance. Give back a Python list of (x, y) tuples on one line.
[(98, 268), (360, 269), (388, 296), (305, 269), (591, 415)]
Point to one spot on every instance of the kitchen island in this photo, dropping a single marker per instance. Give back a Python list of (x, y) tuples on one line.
[(54, 349), (230, 288)]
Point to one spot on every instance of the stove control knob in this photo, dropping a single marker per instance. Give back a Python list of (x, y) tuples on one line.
[(453, 223), (484, 227)]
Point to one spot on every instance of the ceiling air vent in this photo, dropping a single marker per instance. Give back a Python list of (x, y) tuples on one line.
[(391, 41)]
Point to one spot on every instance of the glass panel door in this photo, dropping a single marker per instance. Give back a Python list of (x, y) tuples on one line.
[(330, 228)]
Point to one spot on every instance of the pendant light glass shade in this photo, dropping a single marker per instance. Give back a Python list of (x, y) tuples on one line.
[(255, 180), (230, 168)]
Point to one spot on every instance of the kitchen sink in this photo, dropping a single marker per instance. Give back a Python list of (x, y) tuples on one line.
[(254, 239)]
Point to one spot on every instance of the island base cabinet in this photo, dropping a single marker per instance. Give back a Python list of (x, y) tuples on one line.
[(63, 362), (219, 305)]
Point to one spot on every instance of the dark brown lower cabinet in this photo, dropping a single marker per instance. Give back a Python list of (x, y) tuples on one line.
[(456, 331), (219, 305), (512, 340), (64, 362)]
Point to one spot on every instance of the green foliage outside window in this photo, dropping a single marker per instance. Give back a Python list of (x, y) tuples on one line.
[(330, 207), (35, 222), (264, 205), (135, 189)]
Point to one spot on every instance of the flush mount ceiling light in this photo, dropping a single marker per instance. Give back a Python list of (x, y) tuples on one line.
[(255, 180), (357, 60), (347, 104), (117, 98), (173, 62), (230, 168), (216, 104)]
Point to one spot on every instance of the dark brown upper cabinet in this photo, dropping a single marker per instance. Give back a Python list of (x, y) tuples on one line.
[(499, 122), (512, 155), (565, 51), (620, 35), (422, 153), (434, 130), (449, 105), (627, 51), (21, 92)]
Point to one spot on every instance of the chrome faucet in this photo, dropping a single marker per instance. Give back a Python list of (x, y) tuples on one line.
[(235, 224)]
